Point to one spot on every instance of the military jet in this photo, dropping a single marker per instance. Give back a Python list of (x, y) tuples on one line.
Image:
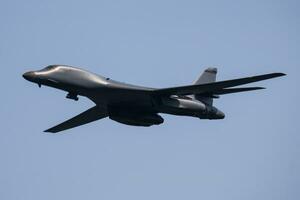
[(136, 105)]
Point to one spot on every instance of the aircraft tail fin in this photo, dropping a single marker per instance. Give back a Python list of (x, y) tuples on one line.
[(208, 76)]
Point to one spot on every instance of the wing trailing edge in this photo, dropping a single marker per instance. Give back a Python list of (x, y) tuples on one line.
[(235, 90)]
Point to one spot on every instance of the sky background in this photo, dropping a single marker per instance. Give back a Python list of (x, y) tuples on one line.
[(252, 154)]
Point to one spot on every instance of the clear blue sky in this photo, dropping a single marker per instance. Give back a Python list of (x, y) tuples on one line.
[(252, 154)]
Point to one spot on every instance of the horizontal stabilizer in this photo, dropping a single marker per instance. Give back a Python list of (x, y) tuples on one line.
[(212, 87), (92, 114), (236, 90)]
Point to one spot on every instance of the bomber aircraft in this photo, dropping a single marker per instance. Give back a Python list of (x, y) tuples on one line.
[(137, 105)]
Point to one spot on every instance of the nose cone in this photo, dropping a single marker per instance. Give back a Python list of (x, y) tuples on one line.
[(220, 115), (29, 76)]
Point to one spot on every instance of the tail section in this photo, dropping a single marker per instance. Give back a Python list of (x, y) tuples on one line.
[(208, 76)]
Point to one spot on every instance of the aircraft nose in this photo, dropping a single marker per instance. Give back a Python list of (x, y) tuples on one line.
[(29, 75)]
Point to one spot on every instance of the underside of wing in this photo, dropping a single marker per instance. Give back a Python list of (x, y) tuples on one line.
[(216, 86), (92, 114)]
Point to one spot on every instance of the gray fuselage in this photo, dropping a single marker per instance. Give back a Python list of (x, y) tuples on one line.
[(119, 99)]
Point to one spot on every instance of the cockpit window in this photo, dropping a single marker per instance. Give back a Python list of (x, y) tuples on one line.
[(50, 67)]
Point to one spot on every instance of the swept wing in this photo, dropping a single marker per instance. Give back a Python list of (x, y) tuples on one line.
[(92, 114), (216, 87)]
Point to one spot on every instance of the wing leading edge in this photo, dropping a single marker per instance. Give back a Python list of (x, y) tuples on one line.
[(217, 87), (90, 115)]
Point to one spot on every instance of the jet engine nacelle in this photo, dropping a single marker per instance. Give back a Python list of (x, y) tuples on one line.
[(212, 113), (180, 103), (137, 119)]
